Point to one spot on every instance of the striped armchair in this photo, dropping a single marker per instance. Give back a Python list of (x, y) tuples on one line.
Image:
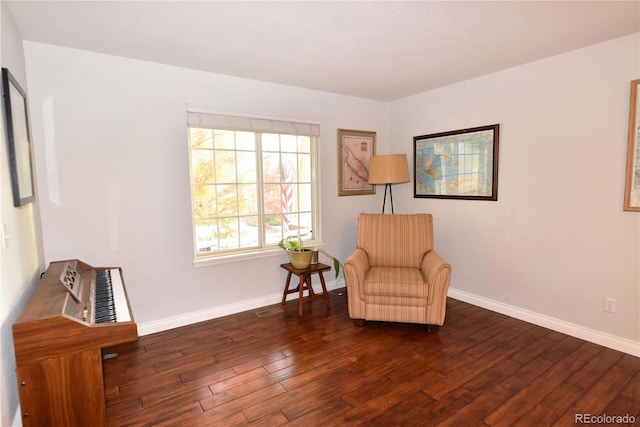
[(394, 274)]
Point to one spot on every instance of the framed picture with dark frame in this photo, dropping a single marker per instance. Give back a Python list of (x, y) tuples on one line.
[(18, 139), (355, 149), (632, 180), (460, 164)]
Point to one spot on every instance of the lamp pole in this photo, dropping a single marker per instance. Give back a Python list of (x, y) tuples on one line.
[(384, 201)]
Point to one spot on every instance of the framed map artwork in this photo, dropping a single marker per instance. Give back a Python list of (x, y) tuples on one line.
[(355, 148), (632, 181), (460, 164)]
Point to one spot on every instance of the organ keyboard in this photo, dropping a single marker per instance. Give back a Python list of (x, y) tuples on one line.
[(110, 304), (75, 311)]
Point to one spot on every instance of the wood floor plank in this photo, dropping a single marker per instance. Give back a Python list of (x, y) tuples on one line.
[(532, 394), (320, 369), (237, 400), (315, 397), (632, 389), (196, 417), (528, 373), (536, 349), (329, 388), (466, 372), (597, 398), (552, 407), (274, 419), (439, 410), (259, 362), (622, 405), (475, 412), (371, 410), (493, 375), (134, 390), (239, 380)]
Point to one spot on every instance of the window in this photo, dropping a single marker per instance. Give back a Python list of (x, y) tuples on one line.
[(253, 182)]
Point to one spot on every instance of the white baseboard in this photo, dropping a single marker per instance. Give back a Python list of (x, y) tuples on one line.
[(611, 341), (147, 328)]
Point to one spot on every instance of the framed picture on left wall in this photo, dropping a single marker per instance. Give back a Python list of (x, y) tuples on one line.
[(632, 181), (18, 139)]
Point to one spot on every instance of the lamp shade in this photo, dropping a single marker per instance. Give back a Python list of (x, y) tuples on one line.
[(388, 169)]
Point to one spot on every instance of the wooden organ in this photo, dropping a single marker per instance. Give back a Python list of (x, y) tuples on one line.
[(74, 312)]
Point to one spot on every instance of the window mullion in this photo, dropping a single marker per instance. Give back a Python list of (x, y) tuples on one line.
[(237, 185), (215, 186), (260, 187)]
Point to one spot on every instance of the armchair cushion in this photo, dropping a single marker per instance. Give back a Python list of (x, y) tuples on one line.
[(396, 281)]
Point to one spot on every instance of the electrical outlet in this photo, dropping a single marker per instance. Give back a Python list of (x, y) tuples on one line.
[(610, 305)]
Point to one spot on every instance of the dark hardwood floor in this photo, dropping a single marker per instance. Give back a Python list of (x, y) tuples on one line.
[(481, 368)]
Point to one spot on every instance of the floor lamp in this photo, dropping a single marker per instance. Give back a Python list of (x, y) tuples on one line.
[(388, 169)]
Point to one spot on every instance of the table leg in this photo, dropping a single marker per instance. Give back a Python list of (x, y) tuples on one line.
[(324, 289), (303, 279), (309, 287), (286, 289)]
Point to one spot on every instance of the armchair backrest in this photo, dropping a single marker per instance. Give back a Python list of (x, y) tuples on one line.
[(395, 240)]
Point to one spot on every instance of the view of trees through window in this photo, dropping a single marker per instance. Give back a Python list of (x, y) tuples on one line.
[(250, 189)]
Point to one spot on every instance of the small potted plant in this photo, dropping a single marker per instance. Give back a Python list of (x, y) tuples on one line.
[(300, 256)]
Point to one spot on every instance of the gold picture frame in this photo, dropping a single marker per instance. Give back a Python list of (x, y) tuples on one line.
[(632, 181), (355, 149)]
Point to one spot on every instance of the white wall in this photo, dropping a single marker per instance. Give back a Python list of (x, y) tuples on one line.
[(557, 241), (111, 144), (21, 260)]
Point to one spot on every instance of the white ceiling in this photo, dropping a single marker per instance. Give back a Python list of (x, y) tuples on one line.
[(378, 50)]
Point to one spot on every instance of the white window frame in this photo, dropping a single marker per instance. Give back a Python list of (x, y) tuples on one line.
[(205, 118)]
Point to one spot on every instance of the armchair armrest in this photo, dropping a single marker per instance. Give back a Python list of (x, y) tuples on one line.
[(355, 268), (438, 274)]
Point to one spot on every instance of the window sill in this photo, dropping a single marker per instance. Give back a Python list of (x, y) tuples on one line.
[(224, 259), (265, 253)]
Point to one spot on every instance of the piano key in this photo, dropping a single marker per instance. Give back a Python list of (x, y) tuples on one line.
[(105, 306), (121, 308)]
